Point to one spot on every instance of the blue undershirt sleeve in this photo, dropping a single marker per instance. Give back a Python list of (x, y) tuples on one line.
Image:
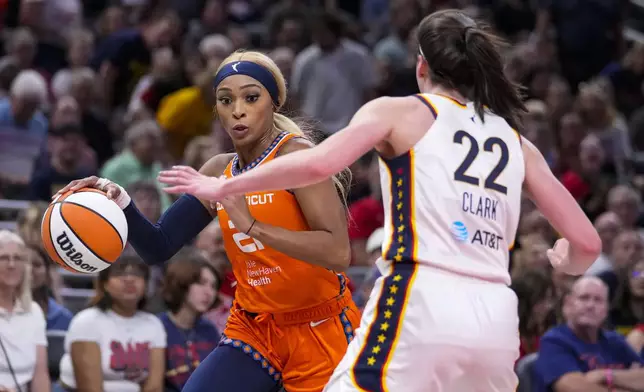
[(179, 225)]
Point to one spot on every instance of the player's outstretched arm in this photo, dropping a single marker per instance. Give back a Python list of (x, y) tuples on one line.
[(581, 244), (180, 224), (295, 170)]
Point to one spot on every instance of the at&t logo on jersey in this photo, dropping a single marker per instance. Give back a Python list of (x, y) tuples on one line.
[(480, 237), (459, 231)]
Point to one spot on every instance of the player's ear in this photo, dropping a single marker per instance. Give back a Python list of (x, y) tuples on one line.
[(422, 69)]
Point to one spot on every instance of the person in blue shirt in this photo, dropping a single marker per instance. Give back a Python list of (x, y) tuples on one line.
[(58, 317), (189, 289), (125, 56), (582, 356)]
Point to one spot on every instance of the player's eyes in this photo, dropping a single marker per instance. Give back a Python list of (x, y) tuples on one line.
[(224, 100), (252, 98)]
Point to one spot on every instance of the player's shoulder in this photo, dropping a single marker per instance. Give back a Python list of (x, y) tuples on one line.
[(394, 108), (216, 165), (296, 143)]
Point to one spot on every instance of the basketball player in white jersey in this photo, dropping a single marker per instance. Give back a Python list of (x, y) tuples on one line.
[(441, 318)]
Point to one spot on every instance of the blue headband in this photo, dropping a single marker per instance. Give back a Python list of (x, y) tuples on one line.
[(255, 71)]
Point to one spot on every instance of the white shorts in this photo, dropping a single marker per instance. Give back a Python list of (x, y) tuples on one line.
[(425, 329)]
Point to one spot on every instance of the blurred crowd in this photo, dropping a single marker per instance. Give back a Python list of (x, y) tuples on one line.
[(122, 89)]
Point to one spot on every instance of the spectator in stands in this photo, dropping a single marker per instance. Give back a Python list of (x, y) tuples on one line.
[(531, 255), (189, 290), (23, 362), (140, 159), (214, 49), (125, 56), (52, 21), (580, 355), (366, 213), (334, 76), (58, 317), (585, 180), (80, 46), (537, 301), (608, 226), (187, 113), (374, 251), (626, 203), (65, 163), (598, 112), (199, 150), (636, 339), (627, 248), (83, 87), (21, 47), (23, 110), (114, 346), (147, 197), (570, 134), (628, 305), (534, 223), (214, 20)]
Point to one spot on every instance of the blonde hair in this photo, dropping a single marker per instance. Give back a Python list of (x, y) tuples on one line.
[(281, 121), (23, 295)]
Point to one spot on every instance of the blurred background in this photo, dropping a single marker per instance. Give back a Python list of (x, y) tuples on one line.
[(122, 89)]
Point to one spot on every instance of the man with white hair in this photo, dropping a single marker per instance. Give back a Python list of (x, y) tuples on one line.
[(582, 356), (22, 110)]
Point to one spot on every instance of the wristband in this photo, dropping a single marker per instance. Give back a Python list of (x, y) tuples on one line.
[(608, 375), (122, 200)]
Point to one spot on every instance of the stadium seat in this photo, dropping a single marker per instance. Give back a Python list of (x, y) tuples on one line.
[(523, 369)]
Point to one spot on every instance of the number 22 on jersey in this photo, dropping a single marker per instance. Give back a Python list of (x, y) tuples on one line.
[(488, 146)]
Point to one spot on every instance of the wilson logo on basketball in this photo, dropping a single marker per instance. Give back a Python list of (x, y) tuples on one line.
[(71, 253)]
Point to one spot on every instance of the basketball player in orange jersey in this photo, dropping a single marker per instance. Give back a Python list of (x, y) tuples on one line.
[(293, 316), (453, 168)]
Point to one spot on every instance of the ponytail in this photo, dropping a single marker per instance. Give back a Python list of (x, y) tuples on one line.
[(492, 88), (341, 180), (463, 56)]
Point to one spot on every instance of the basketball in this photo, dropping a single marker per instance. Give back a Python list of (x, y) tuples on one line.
[(84, 231)]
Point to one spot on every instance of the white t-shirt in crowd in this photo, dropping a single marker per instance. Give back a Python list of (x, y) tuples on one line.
[(21, 331), (124, 342)]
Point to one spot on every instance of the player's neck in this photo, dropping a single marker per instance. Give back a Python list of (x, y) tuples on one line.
[(439, 90), (252, 152), (184, 318)]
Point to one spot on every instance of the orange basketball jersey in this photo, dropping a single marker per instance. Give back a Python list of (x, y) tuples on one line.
[(269, 281)]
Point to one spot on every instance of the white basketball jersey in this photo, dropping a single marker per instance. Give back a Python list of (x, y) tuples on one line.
[(453, 200)]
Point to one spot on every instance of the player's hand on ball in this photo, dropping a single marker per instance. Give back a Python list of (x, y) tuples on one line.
[(184, 179), (112, 190)]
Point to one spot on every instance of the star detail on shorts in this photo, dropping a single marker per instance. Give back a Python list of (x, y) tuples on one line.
[(388, 314), (397, 278), (384, 326), (371, 361), (381, 338), (375, 349)]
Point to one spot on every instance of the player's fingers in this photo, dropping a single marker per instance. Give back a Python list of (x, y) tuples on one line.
[(113, 192), (175, 174), (186, 169), (63, 190), (172, 180), (89, 182)]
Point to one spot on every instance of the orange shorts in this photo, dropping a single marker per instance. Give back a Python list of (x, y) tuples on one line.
[(300, 348)]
